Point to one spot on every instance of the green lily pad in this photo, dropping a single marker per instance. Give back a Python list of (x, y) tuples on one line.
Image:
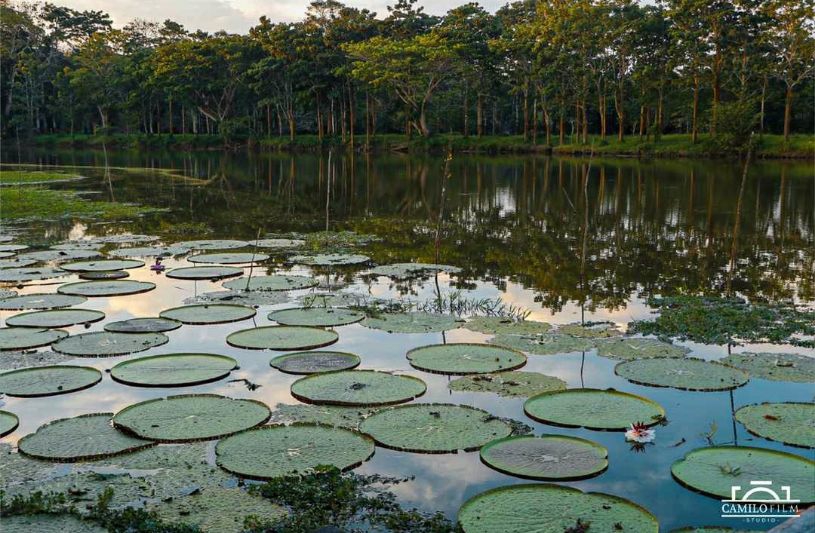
[(549, 457), (326, 415), (104, 275), (102, 265), (16, 275), (82, 438), (128, 238), (628, 349), (212, 244), (545, 508), (276, 451), (715, 470), (465, 358), (29, 359), (26, 338), (208, 313), (282, 338), (508, 326), (16, 262), (601, 330), (357, 388), (173, 370), (682, 373), (316, 316), (330, 259), (434, 428), (49, 523), (315, 362), (775, 366), (790, 423), (543, 344), (12, 247), (106, 288), (40, 301), (338, 299), (508, 383), (278, 243), (235, 258), (60, 255), (149, 251), (6, 255), (55, 318), (206, 272), (143, 325), (417, 322), (108, 343), (8, 423), (48, 380), (248, 298), (271, 283), (78, 245), (593, 409), (190, 417), (410, 270)]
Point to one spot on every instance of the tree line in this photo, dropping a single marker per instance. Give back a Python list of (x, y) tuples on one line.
[(542, 69)]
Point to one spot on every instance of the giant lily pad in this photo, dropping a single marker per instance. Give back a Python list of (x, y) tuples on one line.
[(716, 469), (282, 338), (48, 380), (235, 258), (543, 344), (104, 275), (206, 272), (327, 415), (434, 428), (411, 322), (275, 451), (173, 370), (330, 259), (6, 255), (271, 283), (465, 358), (212, 244), (16, 262), (190, 417), (628, 349), (552, 457), (357, 388), (126, 238), (49, 523), (149, 251), (55, 318), (599, 330), (60, 255), (25, 338), (315, 362), (79, 245), (410, 270), (790, 423), (682, 373), (108, 343), (248, 298), (278, 243), (12, 247), (8, 423), (775, 366), (82, 438), (508, 383), (545, 508), (106, 288), (143, 325), (40, 301), (102, 265), (17, 275), (316, 316), (208, 313), (593, 409), (508, 326)]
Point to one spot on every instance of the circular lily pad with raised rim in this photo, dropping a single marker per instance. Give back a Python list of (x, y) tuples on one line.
[(434, 428), (248, 298), (40, 301), (277, 282), (545, 508), (790, 423), (316, 316), (81, 438), (15, 275), (6, 255), (104, 275), (16, 262), (79, 245), (543, 344), (12, 247), (190, 417), (8, 423), (49, 523), (465, 358), (55, 318), (212, 244), (593, 409), (513, 383), (60, 255), (315, 362), (274, 451), (132, 238), (102, 265), (327, 415), (208, 313), (205, 272), (235, 258), (716, 469), (775, 366), (682, 373), (357, 388), (173, 370), (106, 288), (143, 325), (48, 380), (599, 330), (628, 349), (278, 243), (330, 259), (410, 270), (26, 338), (282, 338), (108, 343), (496, 324), (549, 457), (149, 251), (417, 322)]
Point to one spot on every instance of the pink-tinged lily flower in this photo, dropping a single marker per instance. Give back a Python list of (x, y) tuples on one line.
[(639, 432)]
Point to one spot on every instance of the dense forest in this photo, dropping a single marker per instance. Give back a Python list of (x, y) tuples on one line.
[(543, 69)]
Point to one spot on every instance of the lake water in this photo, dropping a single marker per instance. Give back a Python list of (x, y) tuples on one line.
[(567, 239)]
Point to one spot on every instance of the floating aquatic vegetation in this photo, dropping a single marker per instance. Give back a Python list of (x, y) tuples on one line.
[(26, 338), (411, 322), (12, 247), (235, 258), (790, 423), (26, 359), (190, 417), (714, 470), (49, 523), (775, 366), (247, 298), (126, 238), (337, 299), (282, 338), (593, 409), (465, 358), (278, 282), (513, 383), (505, 325), (8, 423), (39, 301), (208, 313), (143, 325), (327, 415), (48, 380), (543, 344), (212, 244), (102, 265), (18, 275), (173, 370), (6, 255), (81, 438), (79, 245), (316, 316), (548, 457), (149, 251), (278, 243), (106, 288), (357, 388), (315, 362), (410, 270), (628, 349), (330, 259), (7, 293), (434, 428), (34, 177), (596, 330), (16, 262), (546, 508), (682, 373), (60, 255), (108, 343), (104, 275), (207, 272), (327, 240)]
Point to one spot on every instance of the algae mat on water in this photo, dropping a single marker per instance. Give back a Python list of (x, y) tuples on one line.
[(108, 343), (208, 313), (593, 409), (48, 380), (465, 358), (549, 457), (790, 423), (55, 318), (282, 338), (357, 388), (49, 523), (513, 383), (315, 362), (173, 370), (682, 373)]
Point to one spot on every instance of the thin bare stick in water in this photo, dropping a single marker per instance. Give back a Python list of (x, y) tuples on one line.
[(437, 244), (328, 191), (252, 264), (736, 225)]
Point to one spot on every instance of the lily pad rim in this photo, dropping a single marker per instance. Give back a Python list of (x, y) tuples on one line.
[(356, 404), (802, 446), (168, 385), (165, 340), (227, 274), (362, 316), (673, 359), (177, 324), (299, 348), (213, 304), (57, 393), (101, 316), (14, 426), (34, 346), (470, 373), (293, 373), (145, 286)]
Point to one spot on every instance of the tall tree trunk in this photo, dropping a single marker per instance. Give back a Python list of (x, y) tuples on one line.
[(787, 113), (642, 120), (562, 126), (424, 131), (761, 113), (535, 120), (526, 111), (367, 120), (601, 109), (352, 115), (695, 118), (466, 112), (479, 115), (319, 118), (170, 114), (619, 106), (584, 110)]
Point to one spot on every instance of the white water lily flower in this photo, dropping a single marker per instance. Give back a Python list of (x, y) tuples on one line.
[(639, 432)]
